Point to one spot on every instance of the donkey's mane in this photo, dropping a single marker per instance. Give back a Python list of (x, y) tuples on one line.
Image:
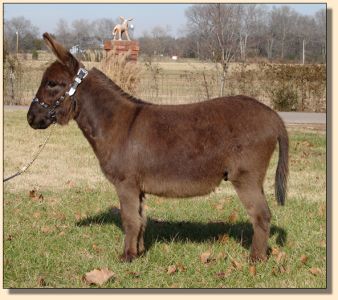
[(104, 78)]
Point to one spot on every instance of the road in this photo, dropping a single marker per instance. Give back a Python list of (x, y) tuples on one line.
[(303, 118), (288, 117)]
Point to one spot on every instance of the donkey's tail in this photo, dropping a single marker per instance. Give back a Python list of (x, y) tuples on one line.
[(282, 167)]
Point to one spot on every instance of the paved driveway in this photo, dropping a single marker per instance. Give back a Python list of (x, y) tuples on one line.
[(303, 118)]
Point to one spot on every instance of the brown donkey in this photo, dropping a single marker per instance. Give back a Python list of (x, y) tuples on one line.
[(166, 150)]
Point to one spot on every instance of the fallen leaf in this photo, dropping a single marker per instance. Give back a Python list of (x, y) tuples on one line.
[(171, 269), (233, 217), (41, 281), (223, 238), (96, 248), (47, 229), (9, 238), (252, 270), (280, 257), (237, 265), (275, 251), (315, 271), (134, 274), (279, 270), (32, 194), (181, 267), (62, 233), (304, 259), (98, 276), (282, 269), (205, 257), (225, 274)]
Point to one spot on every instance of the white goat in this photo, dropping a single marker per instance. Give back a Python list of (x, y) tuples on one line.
[(121, 28)]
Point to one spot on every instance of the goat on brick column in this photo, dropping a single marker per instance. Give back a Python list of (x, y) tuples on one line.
[(121, 28)]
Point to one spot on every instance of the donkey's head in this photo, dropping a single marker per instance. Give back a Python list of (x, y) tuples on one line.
[(52, 102)]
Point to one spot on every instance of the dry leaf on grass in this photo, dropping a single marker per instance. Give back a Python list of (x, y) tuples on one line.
[(233, 217), (171, 269), (134, 274), (41, 281), (223, 238), (98, 276), (237, 265), (96, 248), (225, 274), (252, 270), (32, 194), (181, 267), (205, 257), (304, 259), (315, 271)]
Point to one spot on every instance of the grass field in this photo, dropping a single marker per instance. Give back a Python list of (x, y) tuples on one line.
[(61, 220)]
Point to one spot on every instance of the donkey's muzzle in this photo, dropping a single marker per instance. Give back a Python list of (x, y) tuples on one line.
[(38, 118)]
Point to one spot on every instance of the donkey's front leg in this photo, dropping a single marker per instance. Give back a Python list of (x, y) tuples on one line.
[(132, 219)]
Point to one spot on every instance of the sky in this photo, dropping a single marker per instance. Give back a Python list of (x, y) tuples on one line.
[(146, 16)]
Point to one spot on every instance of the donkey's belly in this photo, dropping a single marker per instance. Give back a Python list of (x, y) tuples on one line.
[(174, 187)]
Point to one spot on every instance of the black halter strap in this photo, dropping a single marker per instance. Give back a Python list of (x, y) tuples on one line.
[(81, 74)]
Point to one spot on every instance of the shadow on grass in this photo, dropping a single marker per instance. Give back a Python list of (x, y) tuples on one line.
[(166, 231)]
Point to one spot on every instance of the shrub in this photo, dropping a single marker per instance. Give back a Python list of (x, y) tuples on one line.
[(124, 73), (35, 55), (285, 99)]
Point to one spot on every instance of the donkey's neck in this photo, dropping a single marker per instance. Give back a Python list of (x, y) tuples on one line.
[(104, 110)]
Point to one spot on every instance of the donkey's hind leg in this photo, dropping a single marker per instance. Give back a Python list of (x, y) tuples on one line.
[(140, 239), (252, 196), (132, 221)]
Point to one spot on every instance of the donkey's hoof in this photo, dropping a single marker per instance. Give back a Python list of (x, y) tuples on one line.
[(127, 257), (254, 258)]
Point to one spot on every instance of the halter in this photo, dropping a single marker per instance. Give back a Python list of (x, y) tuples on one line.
[(81, 74)]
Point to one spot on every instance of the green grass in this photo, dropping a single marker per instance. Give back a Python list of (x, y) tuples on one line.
[(75, 227)]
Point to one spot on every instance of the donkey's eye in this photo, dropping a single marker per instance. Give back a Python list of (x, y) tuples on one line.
[(51, 83)]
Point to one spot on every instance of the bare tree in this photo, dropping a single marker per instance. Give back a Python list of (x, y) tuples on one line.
[(63, 33), (20, 31), (218, 24), (320, 19)]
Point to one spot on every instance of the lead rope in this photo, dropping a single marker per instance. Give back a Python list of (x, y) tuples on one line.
[(35, 156)]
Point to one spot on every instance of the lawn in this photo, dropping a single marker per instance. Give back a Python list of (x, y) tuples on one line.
[(61, 220)]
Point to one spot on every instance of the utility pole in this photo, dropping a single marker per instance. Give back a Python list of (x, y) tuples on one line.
[(303, 51), (17, 43)]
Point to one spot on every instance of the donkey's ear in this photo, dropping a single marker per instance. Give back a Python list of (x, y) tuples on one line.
[(61, 53)]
